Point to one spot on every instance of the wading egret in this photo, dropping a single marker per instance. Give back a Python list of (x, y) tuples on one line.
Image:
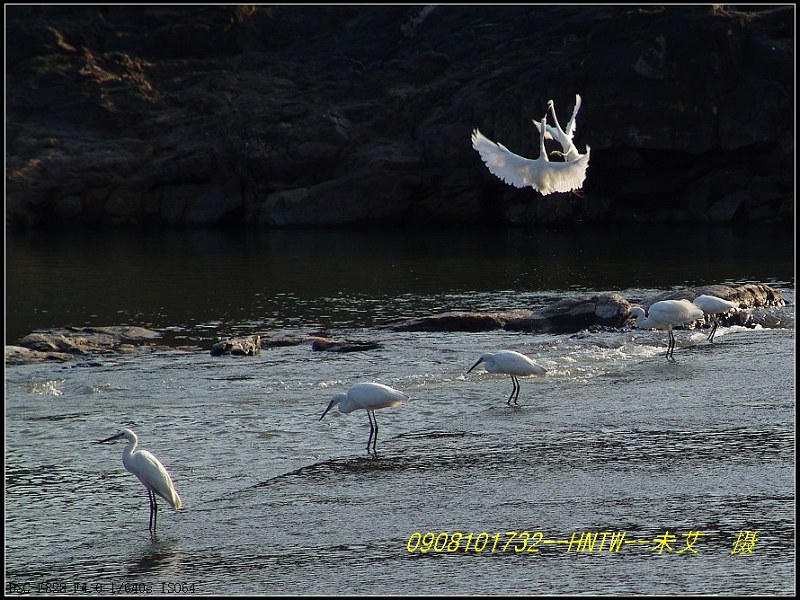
[(540, 174), (150, 472), (713, 306), (569, 150), (368, 397), (666, 314), (510, 363)]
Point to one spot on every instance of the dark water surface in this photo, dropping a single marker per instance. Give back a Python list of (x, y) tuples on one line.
[(355, 278), (614, 443)]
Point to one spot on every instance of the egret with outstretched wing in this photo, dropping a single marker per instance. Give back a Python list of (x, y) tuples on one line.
[(542, 175)]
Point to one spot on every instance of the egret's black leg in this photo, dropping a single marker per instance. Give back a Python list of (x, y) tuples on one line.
[(671, 347), (713, 330), (151, 525), (513, 389), (371, 430), (375, 437), (155, 512), (516, 396)]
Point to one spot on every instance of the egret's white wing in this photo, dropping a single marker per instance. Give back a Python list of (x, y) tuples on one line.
[(154, 476), (714, 305), (676, 312), (550, 132), (571, 124), (375, 395), (511, 168), (564, 176), (541, 174)]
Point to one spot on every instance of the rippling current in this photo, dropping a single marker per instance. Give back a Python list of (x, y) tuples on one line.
[(620, 473)]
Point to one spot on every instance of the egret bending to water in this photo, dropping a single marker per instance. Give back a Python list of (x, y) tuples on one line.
[(369, 397), (511, 363), (713, 306), (570, 151), (150, 472), (541, 174), (664, 315)]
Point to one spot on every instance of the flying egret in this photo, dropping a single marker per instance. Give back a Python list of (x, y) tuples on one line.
[(150, 472), (369, 397), (541, 174), (713, 306), (511, 363), (569, 150), (664, 315)]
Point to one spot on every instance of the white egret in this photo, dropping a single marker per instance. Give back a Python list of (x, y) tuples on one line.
[(713, 306), (369, 397), (664, 315), (510, 363), (540, 174), (569, 150), (150, 472)]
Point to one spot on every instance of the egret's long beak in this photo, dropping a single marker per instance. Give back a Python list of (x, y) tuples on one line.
[(116, 436), (330, 406), (480, 360)]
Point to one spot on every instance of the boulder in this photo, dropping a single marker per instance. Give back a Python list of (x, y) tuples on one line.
[(565, 316)]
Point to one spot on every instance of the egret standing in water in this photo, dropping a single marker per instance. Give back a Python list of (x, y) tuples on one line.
[(713, 306), (510, 363), (540, 174), (369, 397), (664, 315), (150, 472)]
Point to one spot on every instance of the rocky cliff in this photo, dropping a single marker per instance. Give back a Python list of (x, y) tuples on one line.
[(338, 115)]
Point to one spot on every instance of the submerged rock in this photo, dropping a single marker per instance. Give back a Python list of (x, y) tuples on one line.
[(331, 345)]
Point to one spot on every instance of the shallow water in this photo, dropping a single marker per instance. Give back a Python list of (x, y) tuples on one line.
[(613, 439)]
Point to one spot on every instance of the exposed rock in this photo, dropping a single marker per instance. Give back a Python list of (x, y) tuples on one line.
[(572, 314), (247, 346), (293, 115), (75, 341), (748, 296), (751, 295), (250, 346), (601, 312), (20, 355), (565, 316), (451, 321)]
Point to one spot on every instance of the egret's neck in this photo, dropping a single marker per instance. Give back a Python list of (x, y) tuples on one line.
[(127, 453), (641, 319)]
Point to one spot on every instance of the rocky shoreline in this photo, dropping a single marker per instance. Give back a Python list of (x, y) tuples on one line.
[(307, 116), (570, 315)]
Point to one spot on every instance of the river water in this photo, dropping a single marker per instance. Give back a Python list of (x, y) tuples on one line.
[(682, 474)]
